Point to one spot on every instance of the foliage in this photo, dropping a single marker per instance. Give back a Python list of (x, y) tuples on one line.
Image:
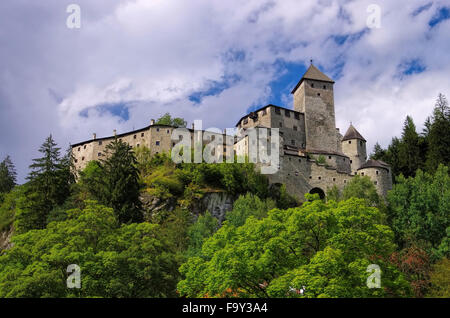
[(415, 263), (419, 206), (8, 175), (166, 119), (203, 228), (8, 207), (323, 246), (440, 279), (246, 206), (321, 159), (119, 183), (49, 185), (116, 260)]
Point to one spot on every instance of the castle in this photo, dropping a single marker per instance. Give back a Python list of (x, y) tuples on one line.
[(313, 155)]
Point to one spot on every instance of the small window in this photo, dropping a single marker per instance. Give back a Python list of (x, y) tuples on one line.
[(84, 147), (100, 143), (277, 111), (324, 87), (351, 161), (264, 112), (76, 160), (375, 182), (345, 181), (320, 178), (281, 124), (312, 85), (245, 121), (376, 172), (157, 142), (157, 129), (334, 179), (318, 94), (142, 134), (297, 116), (299, 160), (329, 157), (173, 144), (168, 131), (79, 148), (134, 137), (287, 113), (99, 154), (362, 173), (310, 177), (82, 158), (349, 141), (360, 142), (295, 128), (137, 145), (293, 142)]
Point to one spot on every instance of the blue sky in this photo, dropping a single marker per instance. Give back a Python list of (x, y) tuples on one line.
[(214, 60)]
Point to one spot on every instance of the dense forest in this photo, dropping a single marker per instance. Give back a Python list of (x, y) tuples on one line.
[(269, 245)]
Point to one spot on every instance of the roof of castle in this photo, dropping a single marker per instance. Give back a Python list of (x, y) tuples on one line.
[(313, 73), (372, 163), (352, 133), (264, 107)]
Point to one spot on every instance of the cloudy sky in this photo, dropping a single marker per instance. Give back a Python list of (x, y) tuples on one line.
[(214, 60)]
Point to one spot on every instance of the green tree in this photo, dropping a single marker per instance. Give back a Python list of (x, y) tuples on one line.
[(409, 150), (246, 206), (440, 279), (49, 185), (120, 187), (362, 187), (439, 135), (132, 260), (166, 119), (418, 207), (378, 153), (8, 175), (323, 246), (203, 228)]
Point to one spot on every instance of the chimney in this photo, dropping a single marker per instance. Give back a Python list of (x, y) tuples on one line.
[(115, 132), (152, 122), (94, 136)]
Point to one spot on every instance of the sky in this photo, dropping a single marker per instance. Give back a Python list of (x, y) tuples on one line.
[(213, 60)]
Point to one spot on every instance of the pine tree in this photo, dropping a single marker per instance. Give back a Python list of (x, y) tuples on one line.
[(409, 150), (439, 135), (8, 175), (121, 188), (378, 153)]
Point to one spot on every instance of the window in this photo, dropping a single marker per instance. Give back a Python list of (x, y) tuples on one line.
[(360, 143), (100, 143), (312, 85), (79, 148), (362, 173), (329, 157), (157, 129), (295, 128), (76, 160), (345, 181), (137, 145), (293, 142), (287, 113), (376, 172), (99, 154), (320, 178), (334, 179), (173, 144), (324, 87), (134, 137), (318, 94), (310, 177), (168, 131), (157, 142), (299, 160), (84, 147), (277, 111), (297, 116), (142, 134), (264, 112), (351, 161), (281, 124), (349, 141), (245, 121), (375, 182), (82, 158)]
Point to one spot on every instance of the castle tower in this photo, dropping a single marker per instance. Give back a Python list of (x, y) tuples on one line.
[(354, 146), (314, 97)]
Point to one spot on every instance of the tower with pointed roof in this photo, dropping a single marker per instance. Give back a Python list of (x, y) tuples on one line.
[(354, 146), (313, 96)]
